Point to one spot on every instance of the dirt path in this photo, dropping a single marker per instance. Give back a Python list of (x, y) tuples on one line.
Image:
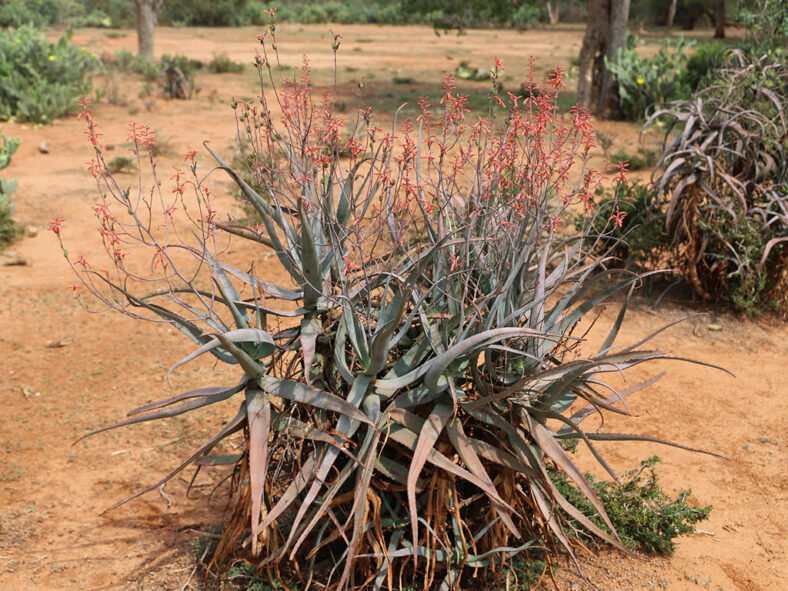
[(64, 371)]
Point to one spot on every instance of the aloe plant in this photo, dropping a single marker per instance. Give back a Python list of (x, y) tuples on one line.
[(723, 179), (403, 393)]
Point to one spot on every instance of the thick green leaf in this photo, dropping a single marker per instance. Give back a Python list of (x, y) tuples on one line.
[(255, 336), (298, 392)]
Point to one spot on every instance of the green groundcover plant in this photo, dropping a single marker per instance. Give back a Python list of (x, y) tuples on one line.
[(644, 516), (403, 391)]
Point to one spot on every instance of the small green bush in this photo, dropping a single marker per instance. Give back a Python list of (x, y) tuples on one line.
[(212, 13), (642, 159), (643, 82), (767, 27), (121, 164), (44, 13), (641, 239), (526, 15), (127, 62), (7, 149), (222, 64), (40, 81), (178, 75), (9, 229), (708, 57), (644, 516)]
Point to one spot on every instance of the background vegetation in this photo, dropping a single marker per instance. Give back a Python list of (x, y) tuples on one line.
[(39, 80), (9, 229)]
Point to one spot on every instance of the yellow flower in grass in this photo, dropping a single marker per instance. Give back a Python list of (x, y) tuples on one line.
[(641, 80), (51, 58)]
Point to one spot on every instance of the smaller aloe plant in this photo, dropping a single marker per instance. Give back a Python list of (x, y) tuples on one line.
[(403, 393), (724, 179)]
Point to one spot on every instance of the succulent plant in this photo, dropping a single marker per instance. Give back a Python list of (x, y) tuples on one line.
[(403, 393)]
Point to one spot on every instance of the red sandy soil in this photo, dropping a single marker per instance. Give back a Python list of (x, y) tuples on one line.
[(64, 371)]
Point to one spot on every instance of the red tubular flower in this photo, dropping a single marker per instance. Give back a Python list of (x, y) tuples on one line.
[(75, 289), (160, 258), (349, 265), (209, 217), (54, 225), (81, 261), (618, 217), (621, 171), (93, 168), (557, 77)]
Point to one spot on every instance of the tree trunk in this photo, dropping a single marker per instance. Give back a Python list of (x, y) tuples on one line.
[(605, 33), (146, 25), (719, 19), (671, 14), (552, 11)]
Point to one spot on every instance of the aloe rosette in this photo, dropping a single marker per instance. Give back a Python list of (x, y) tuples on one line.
[(403, 394)]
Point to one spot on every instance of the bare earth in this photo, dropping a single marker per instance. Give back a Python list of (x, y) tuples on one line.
[(64, 371)]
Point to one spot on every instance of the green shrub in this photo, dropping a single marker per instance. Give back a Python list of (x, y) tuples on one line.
[(9, 229), (767, 27), (44, 13), (178, 75), (7, 149), (121, 164), (703, 63), (222, 64), (639, 240), (724, 182), (127, 62), (642, 159), (642, 513), (644, 82), (40, 81), (175, 73), (211, 13), (526, 15)]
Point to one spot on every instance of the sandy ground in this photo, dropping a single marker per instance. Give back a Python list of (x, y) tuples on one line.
[(64, 371)]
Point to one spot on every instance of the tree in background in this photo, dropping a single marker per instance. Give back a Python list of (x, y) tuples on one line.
[(671, 14), (146, 26), (551, 7), (719, 19), (606, 31)]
